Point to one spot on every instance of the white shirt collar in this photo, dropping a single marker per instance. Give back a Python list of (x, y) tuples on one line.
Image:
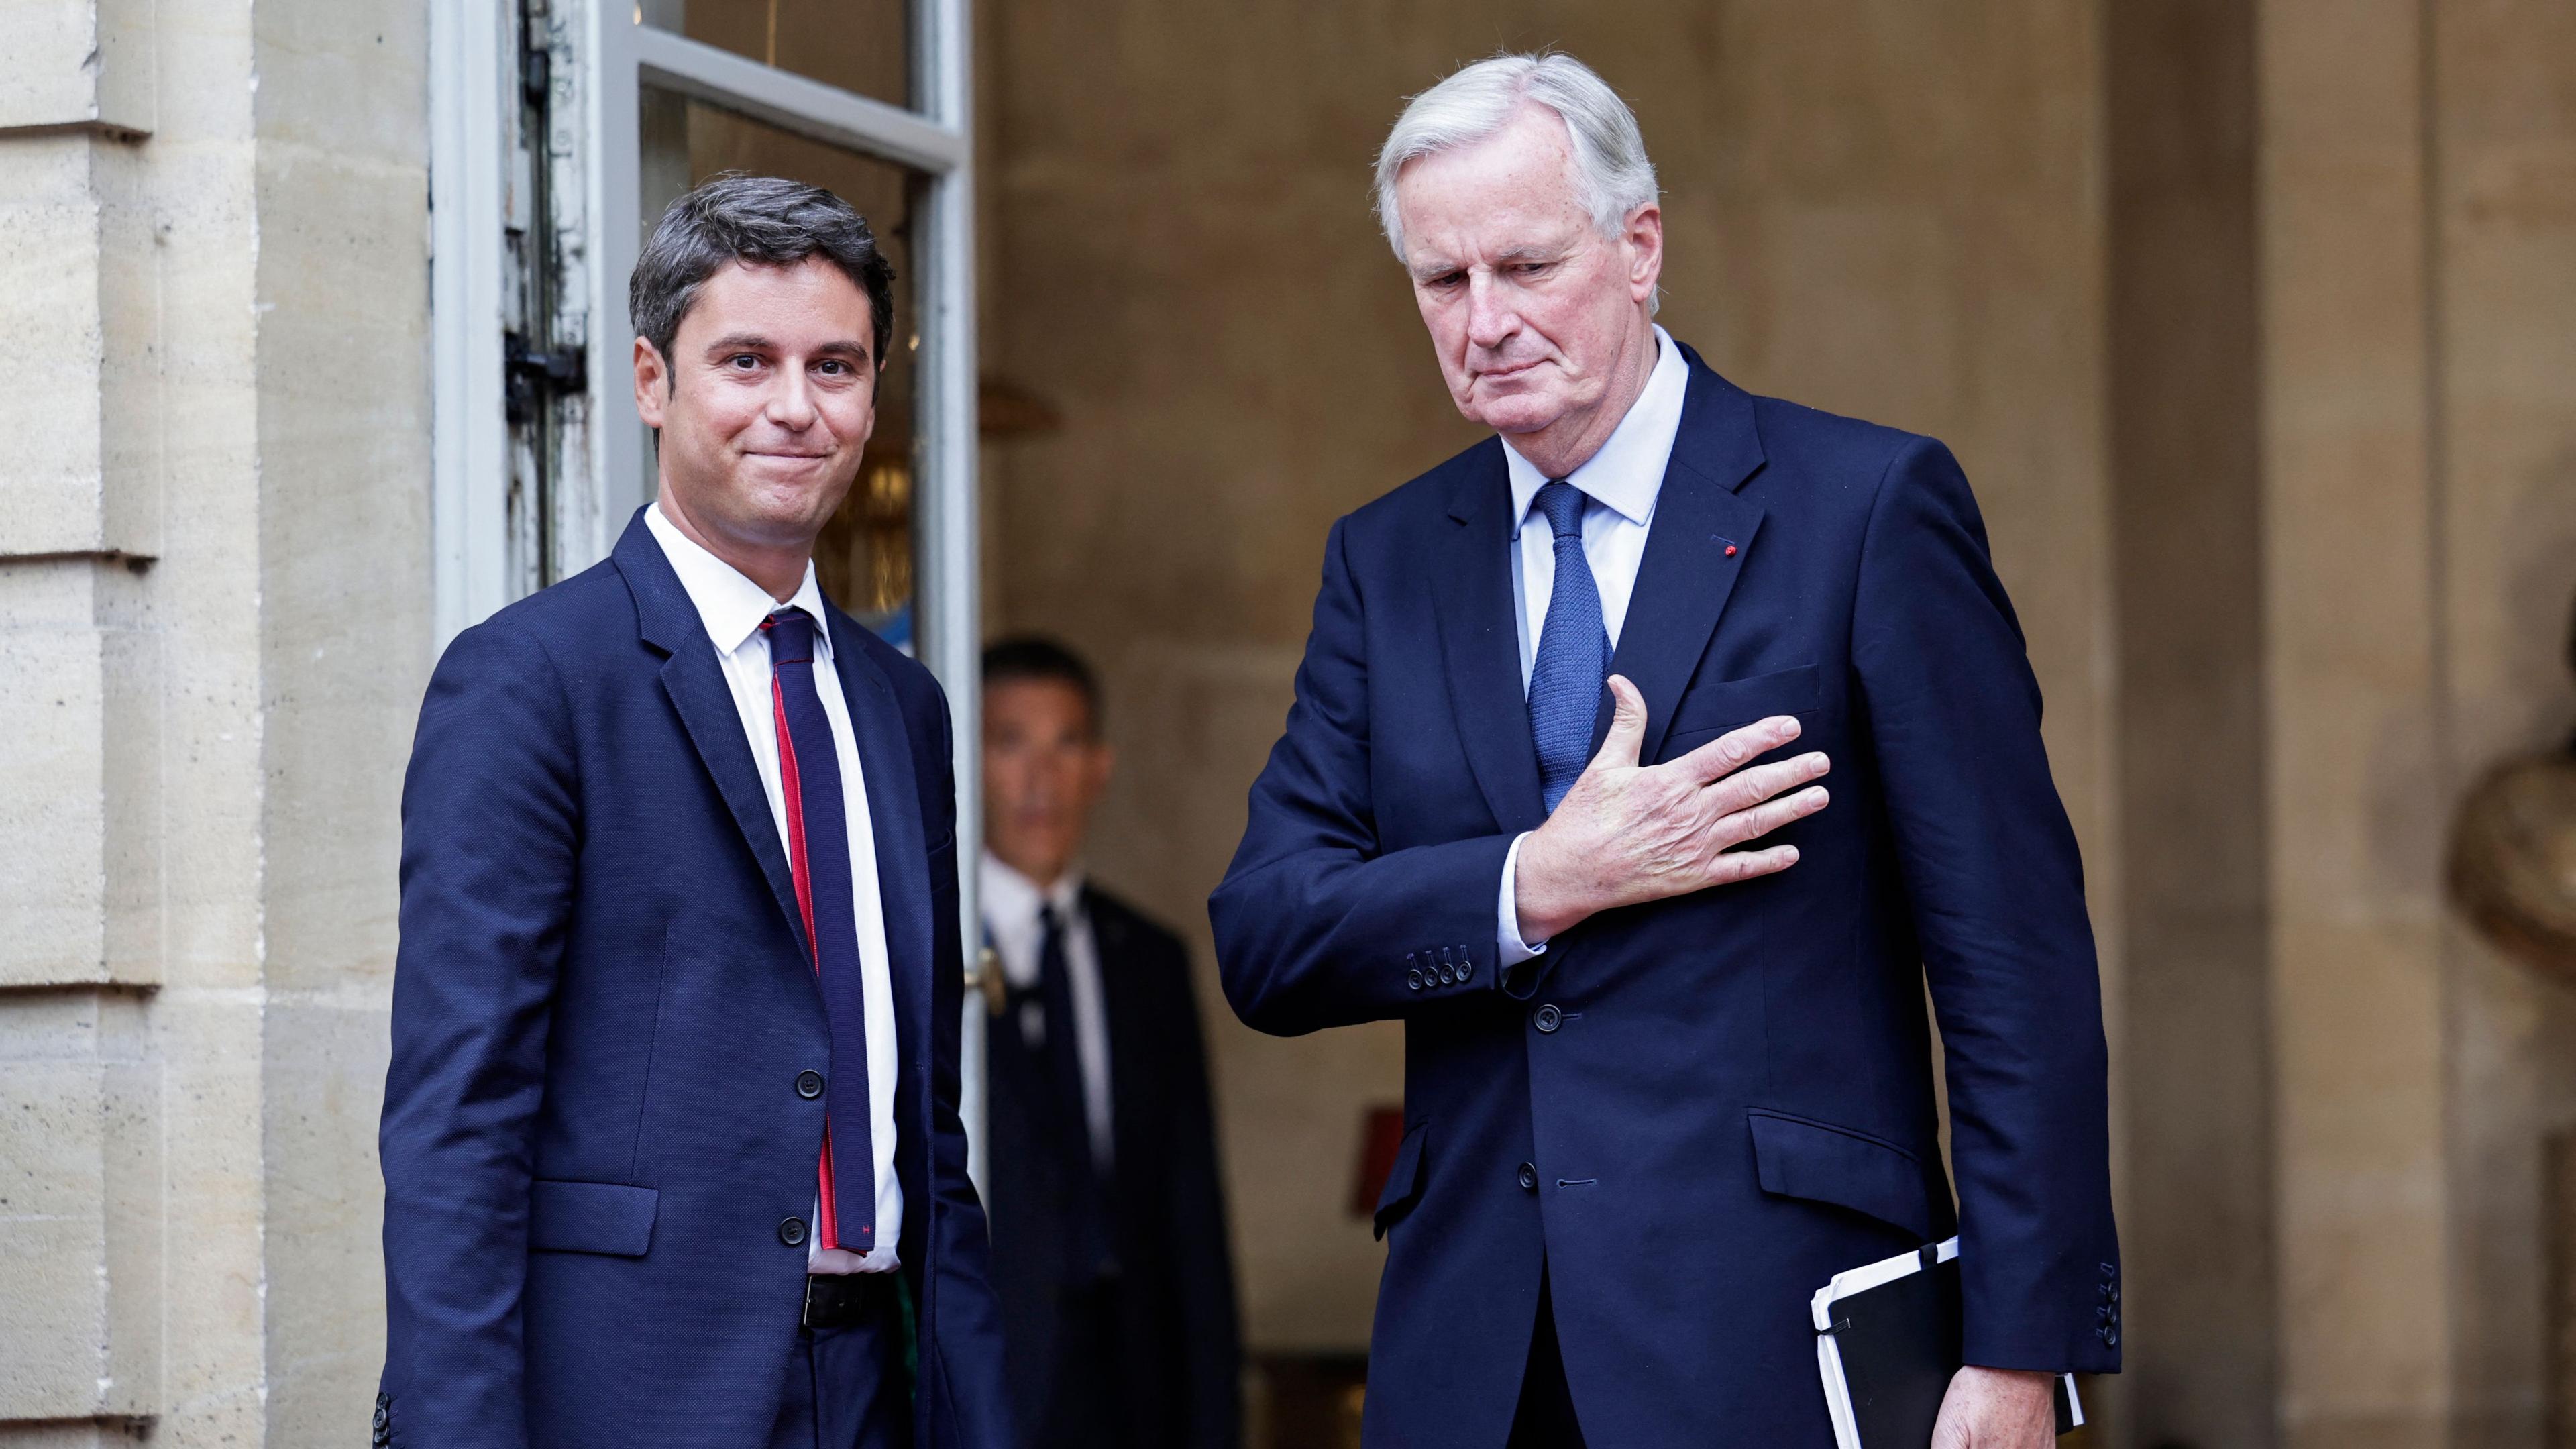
[(1629, 470), (728, 602), (1009, 896)]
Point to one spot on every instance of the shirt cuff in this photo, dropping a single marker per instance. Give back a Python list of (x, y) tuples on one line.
[(1509, 949)]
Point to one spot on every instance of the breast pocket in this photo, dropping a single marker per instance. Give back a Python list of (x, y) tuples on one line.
[(1710, 710)]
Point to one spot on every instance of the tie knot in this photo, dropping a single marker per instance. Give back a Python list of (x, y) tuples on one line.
[(1562, 505), (791, 637)]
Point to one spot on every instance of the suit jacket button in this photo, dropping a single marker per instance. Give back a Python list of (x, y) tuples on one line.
[(1466, 968), (1529, 1178), (381, 1416), (1448, 975), (1413, 981), (791, 1231), (809, 1085), (1547, 1018)]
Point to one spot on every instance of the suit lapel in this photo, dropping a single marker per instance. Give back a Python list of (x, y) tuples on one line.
[(696, 684), (1702, 534), (894, 820), (1480, 642)]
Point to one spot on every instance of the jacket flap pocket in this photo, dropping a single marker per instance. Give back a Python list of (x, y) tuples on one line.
[(1798, 1158), (1734, 703), (591, 1217), (1403, 1179)]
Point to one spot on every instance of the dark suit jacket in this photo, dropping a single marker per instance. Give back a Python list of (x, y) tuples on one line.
[(592, 1131), (1694, 1112), (1179, 1345)]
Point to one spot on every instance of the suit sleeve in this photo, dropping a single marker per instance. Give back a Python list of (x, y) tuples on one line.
[(490, 825), (1212, 1336), (1316, 924), (962, 1397), (1997, 895)]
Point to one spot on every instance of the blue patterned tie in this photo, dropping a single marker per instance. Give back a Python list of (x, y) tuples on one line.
[(1573, 651)]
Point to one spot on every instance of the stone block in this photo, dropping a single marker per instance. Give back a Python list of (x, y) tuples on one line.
[(80, 858), (79, 1209), (322, 1087), (79, 307), (77, 63)]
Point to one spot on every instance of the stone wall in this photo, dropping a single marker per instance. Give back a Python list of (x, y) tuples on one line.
[(213, 627), (2197, 1237), (2501, 235), (2419, 515), (345, 644)]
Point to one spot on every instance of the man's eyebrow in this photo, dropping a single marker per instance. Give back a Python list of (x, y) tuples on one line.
[(1535, 252), (733, 342)]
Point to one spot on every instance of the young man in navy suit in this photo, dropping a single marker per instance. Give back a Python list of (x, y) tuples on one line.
[(670, 1142), (1660, 1089)]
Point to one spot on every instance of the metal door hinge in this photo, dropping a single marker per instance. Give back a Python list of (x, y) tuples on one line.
[(536, 377)]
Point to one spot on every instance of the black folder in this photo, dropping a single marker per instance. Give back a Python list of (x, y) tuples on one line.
[(1887, 1342)]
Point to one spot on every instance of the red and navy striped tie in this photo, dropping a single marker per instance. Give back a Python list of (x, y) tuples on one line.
[(818, 851)]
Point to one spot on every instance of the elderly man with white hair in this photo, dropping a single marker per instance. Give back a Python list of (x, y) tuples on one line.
[(1549, 795)]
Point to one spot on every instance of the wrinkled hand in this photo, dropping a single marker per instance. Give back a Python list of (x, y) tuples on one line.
[(1997, 1409), (1626, 834)]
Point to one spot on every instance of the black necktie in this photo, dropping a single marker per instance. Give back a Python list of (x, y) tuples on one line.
[(1063, 1048), (1088, 1234)]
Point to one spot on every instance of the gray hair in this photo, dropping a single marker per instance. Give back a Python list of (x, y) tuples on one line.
[(1612, 176), (766, 221)]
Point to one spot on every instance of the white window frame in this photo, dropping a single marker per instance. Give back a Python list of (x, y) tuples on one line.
[(473, 56), (473, 68)]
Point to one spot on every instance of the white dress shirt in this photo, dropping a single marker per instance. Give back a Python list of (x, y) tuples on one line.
[(1010, 903), (1620, 484), (732, 608)]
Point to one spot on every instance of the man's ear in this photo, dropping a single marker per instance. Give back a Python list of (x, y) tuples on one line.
[(652, 382), (1645, 237)]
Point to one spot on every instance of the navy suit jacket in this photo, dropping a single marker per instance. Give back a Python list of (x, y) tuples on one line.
[(592, 1129), (1693, 1113)]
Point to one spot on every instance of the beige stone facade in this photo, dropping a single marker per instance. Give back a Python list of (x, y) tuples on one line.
[(2255, 325), (213, 616)]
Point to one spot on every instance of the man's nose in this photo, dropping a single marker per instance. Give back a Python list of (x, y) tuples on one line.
[(791, 401), (1491, 318)]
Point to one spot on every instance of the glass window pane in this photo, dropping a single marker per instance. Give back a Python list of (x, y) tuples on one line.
[(865, 558), (863, 46)]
